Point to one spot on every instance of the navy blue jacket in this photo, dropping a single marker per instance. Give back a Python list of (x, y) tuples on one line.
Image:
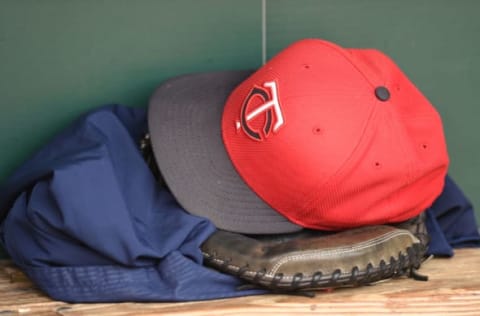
[(86, 221)]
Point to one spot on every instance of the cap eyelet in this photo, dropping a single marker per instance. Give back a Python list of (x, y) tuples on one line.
[(316, 130)]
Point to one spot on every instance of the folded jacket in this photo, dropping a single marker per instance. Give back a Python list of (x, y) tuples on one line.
[(86, 221)]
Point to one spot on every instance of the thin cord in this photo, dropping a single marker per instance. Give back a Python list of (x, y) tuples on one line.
[(264, 31)]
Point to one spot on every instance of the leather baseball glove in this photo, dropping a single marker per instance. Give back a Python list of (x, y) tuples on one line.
[(310, 259)]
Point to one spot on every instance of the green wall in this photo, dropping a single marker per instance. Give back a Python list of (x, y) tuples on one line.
[(60, 58)]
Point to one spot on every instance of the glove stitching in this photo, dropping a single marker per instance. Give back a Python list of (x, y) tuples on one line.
[(335, 252)]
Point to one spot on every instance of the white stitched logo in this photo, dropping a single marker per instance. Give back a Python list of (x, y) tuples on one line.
[(269, 107)]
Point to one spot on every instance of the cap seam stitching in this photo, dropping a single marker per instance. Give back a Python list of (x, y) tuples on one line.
[(347, 160), (340, 50)]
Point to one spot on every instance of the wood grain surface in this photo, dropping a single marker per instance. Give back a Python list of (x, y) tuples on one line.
[(453, 289)]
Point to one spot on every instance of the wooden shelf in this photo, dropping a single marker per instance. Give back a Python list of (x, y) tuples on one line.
[(453, 288)]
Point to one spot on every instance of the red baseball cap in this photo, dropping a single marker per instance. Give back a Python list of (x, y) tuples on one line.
[(319, 137)]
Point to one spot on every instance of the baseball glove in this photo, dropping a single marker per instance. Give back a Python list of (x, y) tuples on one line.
[(310, 260)]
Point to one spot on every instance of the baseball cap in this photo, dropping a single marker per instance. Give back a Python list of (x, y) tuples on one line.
[(320, 137)]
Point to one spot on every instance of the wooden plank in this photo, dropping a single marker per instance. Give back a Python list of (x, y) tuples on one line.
[(453, 288)]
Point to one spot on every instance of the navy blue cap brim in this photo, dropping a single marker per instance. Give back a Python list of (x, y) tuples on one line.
[(184, 119)]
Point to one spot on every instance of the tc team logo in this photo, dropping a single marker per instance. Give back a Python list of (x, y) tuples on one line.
[(269, 107)]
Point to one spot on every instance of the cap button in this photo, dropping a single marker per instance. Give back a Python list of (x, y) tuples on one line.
[(382, 93)]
